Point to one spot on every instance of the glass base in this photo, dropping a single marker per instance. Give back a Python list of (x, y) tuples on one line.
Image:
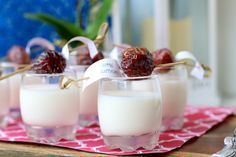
[(131, 143), (174, 123), (50, 134), (15, 113), (88, 120)]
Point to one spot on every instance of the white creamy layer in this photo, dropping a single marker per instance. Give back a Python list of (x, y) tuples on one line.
[(4, 97), (15, 91), (174, 96), (88, 100), (127, 113), (48, 105)]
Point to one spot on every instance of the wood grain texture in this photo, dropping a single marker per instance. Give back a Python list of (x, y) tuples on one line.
[(204, 146)]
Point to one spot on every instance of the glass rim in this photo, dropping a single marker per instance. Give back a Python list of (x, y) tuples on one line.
[(77, 66), (32, 73), (125, 78)]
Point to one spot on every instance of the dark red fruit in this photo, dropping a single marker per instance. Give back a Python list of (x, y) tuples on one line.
[(137, 62), (18, 55), (98, 57), (162, 56), (49, 62), (83, 57)]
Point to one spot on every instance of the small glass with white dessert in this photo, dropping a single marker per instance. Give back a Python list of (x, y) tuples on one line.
[(4, 97), (129, 115), (88, 111), (173, 82), (49, 102), (14, 88), (49, 112)]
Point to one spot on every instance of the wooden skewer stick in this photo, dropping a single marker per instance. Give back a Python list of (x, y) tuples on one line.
[(172, 64), (69, 82), (206, 68), (101, 34), (28, 67)]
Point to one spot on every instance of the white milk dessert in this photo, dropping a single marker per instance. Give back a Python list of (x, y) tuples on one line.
[(49, 107), (88, 100), (127, 115), (44, 105), (15, 91), (174, 97), (4, 103)]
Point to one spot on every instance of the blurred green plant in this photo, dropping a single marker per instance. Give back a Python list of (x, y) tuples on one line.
[(98, 12)]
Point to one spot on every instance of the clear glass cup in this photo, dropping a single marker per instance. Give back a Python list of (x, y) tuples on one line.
[(14, 89), (173, 82), (4, 98), (129, 111), (88, 112), (49, 113), (88, 105)]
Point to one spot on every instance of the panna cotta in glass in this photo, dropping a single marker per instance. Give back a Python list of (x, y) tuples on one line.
[(49, 101), (4, 97), (88, 105), (48, 112), (14, 84), (14, 88), (173, 82), (130, 118)]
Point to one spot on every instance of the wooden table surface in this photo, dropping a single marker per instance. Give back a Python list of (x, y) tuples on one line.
[(204, 146)]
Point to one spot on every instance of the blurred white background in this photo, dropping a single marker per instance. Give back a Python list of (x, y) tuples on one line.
[(207, 28)]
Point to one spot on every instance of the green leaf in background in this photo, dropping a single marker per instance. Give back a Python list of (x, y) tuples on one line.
[(67, 30), (101, 16), (64, 28)]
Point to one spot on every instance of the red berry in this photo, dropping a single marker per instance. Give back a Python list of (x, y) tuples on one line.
[(49, 62), (137, 62), (162, 56), (18, 55)]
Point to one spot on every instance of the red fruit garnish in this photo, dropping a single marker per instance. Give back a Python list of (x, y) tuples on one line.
[(18, 55), (162, 56), (137, 62), (98, 57), (83, 57), (49, 62)]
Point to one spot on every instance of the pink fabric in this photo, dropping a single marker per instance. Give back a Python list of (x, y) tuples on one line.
[(197, 122)]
